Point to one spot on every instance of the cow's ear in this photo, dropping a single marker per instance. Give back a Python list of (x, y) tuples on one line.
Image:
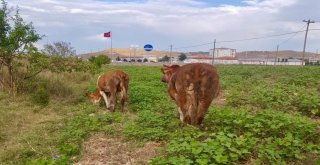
[(165, 67)]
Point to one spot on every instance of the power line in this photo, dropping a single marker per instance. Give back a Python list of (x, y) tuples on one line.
[(291, 36), (191, 46), (256, 38), (247, 39)]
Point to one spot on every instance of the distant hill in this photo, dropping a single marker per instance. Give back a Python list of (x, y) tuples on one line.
[(125, 52), (272, 54)]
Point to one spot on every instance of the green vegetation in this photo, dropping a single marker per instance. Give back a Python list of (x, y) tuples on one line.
[(60, 48), (164, 59), (100, 60), (264, 115), (16, 38), (21, 61), (182, 57)]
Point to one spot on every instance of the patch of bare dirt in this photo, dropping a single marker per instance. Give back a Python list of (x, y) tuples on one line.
[(101, 150)]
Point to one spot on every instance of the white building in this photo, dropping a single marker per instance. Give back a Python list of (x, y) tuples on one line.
[(223, 52), (279, 61), (152, 59), (198, 59), (210, 60)]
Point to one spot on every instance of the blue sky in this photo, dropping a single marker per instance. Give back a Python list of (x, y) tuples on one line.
[(181, 23)]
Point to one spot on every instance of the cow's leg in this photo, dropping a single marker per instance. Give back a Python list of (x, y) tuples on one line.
[(192, 112), (103, 94), (181, 114), (113, 99), (123, 95), (201, 110), (185, 116), (124, 99), (181, 101), (191, 103), (187, 119)]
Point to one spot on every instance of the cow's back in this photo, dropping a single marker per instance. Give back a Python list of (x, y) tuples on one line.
[(200, 77), (112, 79)]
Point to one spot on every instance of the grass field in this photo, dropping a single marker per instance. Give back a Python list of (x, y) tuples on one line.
[(264, 115)]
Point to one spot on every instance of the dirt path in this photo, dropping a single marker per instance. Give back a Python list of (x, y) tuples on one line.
[(101, 150)]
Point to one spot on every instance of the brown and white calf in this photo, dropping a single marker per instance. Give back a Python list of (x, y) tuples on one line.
[(108, 85), (192, 87)]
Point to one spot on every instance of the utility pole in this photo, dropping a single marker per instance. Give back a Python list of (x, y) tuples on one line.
[(133, 48), (130, 55), (276, 55), (305, 38), (213, 50), (170, 54), (267, 58), (134, 54)]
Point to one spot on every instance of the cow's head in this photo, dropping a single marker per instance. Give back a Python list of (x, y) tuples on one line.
[(168, 71), (94, 97)]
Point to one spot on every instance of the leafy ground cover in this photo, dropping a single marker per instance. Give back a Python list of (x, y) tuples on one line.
[(265, 115)]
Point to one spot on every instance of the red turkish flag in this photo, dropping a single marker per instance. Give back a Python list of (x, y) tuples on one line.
[(107, 34)]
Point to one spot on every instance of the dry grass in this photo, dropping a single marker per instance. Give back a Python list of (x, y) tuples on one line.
[(20, 126), (100, 149)]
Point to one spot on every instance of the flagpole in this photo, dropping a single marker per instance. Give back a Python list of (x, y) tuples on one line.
[(111, 46)]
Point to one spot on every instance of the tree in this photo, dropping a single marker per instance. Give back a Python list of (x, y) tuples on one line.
[(60, 48), (182, 57), (118, 59), (17, 39), (164, 59), (145, 60), (100, 60)]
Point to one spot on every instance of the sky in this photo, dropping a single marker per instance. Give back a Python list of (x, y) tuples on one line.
[(188, 25)]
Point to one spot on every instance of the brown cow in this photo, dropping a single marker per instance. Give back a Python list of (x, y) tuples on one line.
[(108, 85), (192, 87)]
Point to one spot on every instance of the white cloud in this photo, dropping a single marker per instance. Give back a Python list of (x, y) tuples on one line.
[(32, 9), (59, 8), (48, 1), (165, 22)]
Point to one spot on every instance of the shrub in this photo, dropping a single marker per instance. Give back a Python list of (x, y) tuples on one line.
[(100, 60), (41, 97)]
